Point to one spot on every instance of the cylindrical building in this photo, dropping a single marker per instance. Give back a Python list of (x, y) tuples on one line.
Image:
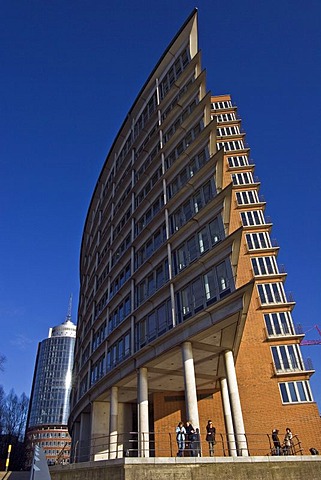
[(50, 395)]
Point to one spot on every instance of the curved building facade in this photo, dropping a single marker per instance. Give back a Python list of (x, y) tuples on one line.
[(50, 396), (182, 311)]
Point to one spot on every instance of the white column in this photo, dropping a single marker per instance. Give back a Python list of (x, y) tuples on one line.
[(190, 385), (228, 418), (113, 422), (235, 404), (143, 424)]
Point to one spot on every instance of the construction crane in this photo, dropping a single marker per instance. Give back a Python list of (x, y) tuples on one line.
[(312, 342)]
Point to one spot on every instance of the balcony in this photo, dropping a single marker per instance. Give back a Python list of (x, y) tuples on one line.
[(293, 367)]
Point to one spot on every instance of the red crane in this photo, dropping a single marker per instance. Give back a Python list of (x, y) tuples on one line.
[(312, 342)]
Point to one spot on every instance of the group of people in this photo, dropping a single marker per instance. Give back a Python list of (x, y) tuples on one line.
[(188, 439), (286, 447)]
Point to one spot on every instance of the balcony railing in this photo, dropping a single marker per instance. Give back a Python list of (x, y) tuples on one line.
[(286, 367), (153, 444)]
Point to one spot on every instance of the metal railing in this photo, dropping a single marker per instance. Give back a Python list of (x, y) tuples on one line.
[(158, 444)]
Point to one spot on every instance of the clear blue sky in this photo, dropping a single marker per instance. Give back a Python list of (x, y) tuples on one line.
[(70, 71)]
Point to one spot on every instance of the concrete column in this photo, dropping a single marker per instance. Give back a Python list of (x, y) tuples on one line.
[(228, 418), (75, 442), (99, 430), (190, 385), (143, 424), (113, 422), (235, 404), (84, 445)]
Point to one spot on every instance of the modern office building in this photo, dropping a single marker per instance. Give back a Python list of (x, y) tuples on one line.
[(50, 395), (183, 312)]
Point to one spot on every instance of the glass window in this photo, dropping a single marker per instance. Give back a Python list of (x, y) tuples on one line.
[(160, 277), (203, 240), (182, 257), (222, 277), (197, 291), (192, 249), (216, 230), (152, 325), (210, 286), (186, 296), (187, 209), (150, 284)]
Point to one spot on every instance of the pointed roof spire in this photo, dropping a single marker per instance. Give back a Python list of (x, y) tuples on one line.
[(68, 317)]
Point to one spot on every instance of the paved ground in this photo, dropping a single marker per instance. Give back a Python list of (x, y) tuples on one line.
[(14, 475)]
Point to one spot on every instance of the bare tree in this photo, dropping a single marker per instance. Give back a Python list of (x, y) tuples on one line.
[(2, 409), (2, 361), (15, 414)]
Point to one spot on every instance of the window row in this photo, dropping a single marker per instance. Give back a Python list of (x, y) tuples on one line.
[(152, 244), (287, 358), (174, 72), (198, 244), (264, 265), (83, 386), (187, 172), (99, 336), (205, 290), (295, 392), (152, 282), (257, 241), (85, 355), (98, 370), (148, 186), (232, 130), (118, 351), (230, 146), (244, 178), (238, 161), (179, 120), (122, 199), (279, 323), (119, 281), (120, 225), (123, 152), (247, 197), (146, 139), (153, 325), (183, 144), (99, 307), (192, 206), (119, 314), (271, 293), (102, 253), (121, 250), (253, 217), (176, 99), (145, 115), (50, 435), (226, 117), (221, 105), (102, 276), (149, 215), (147, 161)]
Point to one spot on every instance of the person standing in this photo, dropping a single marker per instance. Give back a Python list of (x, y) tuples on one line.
[(210, 437), (180, 438), (288, 441), (276, 442), (190, 432)]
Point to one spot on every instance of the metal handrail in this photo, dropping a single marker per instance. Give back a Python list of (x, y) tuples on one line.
[(164, 444)]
